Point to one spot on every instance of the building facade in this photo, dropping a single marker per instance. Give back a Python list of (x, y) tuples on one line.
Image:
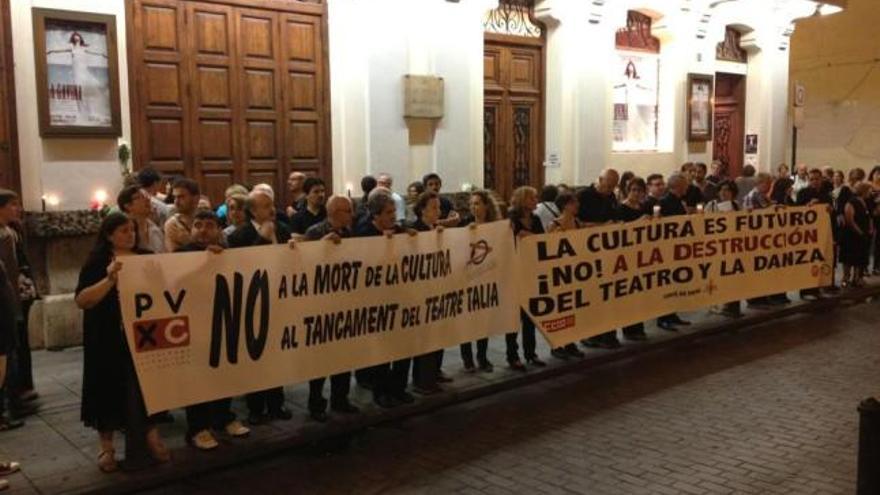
[(485, 93)]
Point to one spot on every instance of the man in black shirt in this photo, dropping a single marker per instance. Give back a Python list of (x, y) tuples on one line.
[(201, 418), (672, 204), (693, 195), (815, 193), (388, 381), (314, 211), (656, 190), (262, 228), (448, 216), (596, 206), (334, 228)]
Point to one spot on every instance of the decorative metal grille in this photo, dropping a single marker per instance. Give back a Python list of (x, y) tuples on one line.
[(513, 17), (729, 49), (489, 158), (637, 34), (522, 129)]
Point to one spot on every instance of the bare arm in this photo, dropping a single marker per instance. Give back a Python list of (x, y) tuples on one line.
[(92, 295)]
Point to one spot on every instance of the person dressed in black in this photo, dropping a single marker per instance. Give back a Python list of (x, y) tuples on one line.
[(567, 206), (694, 195), (525, 223), (108, 371), (7, 345), (631, 210), (362, 212), (448, 216), (262, 228), (596, 206), (816, 193), (217, 415), (855, 245), (672, 204), (334, 228), (426, 368), (314, 211), (483, 209), (388, 381)]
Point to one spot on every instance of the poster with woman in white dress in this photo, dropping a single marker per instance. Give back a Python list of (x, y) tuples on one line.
[(78, 76), (635, 102)]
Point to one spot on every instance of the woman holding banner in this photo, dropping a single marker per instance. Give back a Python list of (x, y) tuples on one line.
[(726, 202), (426, 368), (524, 223), (108, 371), (567, 205), (484, 209), (632, 209)]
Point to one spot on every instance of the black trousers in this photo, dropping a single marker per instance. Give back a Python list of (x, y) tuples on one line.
[(207, 415), (426, 369), (20, 375), (467, 351), (528, 340), (635, 329), (390, 379), (339, 387), (264, 401)]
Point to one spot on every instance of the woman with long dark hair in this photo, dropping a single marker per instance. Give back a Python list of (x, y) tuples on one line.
[(108, 371), (483, 209)]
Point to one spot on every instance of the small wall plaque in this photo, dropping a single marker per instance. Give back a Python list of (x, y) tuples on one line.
[(423, 97)]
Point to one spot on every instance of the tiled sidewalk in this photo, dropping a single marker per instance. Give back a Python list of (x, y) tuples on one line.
[(58, 454)]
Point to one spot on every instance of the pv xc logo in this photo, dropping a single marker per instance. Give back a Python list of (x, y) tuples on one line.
[(165, 333)]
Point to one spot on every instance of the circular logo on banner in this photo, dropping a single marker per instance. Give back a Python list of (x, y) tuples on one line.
[(479, 252)]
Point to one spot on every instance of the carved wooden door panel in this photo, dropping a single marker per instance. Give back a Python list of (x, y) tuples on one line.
[(729, 136), (227, 94), (9, 178), (513, 126)]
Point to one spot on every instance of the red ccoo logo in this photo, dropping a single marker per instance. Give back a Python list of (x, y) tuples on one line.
[(165, 333)]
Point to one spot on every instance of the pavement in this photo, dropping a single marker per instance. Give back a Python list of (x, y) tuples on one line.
[(762, 404)]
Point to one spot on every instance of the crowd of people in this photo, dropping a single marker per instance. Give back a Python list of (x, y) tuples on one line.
[(155, 215)]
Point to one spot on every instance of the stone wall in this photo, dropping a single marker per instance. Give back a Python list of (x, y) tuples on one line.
[(835, 58)]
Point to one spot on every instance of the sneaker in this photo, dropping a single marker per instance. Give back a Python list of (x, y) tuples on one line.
[(235, 429), (204, 440)]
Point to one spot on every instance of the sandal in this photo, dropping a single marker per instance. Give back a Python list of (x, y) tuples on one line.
[(9, 467), (107, 461), (159, 451)]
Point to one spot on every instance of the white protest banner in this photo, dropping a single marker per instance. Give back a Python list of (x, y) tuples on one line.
[(203, 326), (581, 283)]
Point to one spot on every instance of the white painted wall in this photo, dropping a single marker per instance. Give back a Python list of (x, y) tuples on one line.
[(70, 168)]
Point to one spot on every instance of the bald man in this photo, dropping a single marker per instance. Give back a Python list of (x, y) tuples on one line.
[(335, 227), (597, 206), (673, 204), (295, 182)]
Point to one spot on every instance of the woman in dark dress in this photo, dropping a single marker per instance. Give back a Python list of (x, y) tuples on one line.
[(525, 223), (484, 209), (630, 209), (108, 371), (426, 367), (855, 241)]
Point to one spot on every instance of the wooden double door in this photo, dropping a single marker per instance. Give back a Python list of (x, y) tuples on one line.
[(230, 94), (513, 113), (730, 119), (9, 173)]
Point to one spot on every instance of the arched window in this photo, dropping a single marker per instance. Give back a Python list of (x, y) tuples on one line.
[(636, 80)]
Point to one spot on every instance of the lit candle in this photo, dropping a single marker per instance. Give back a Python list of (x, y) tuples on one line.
[(700, 208), (53, 200), (348, 188), (656, 211), (101, 196), (43, 200)]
